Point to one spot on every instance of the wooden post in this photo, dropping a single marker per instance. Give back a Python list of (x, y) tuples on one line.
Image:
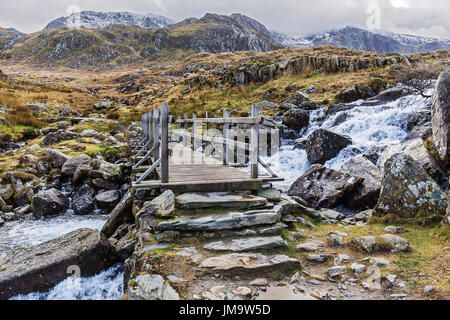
[(254, 143), (164, 143), (150, 128), (194, 132), (179, 124), (186, 131), (156, 133), (206, 124), (226, 127)]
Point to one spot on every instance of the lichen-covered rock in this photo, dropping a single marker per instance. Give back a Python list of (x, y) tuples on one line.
[(299, 99), (366, 194), (296, 119), (323, 187), (108, 199), (83, 200), (408, 190), (57, 157), (49, 202), (323, 145), (441, 115)]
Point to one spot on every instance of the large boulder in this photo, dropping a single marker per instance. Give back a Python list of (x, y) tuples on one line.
[(441, 116), (49, 202), (365, 195), (70, 166), (390, 94), (83, 200), (350, 94), (41, 267), (415, 148), (296, 119), (322, 187), (108, 171), (408, 190), (323, 145)]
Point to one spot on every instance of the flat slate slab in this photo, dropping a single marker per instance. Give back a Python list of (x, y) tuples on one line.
[(248, 262), (225, 221), (247, 244), (219, 200)]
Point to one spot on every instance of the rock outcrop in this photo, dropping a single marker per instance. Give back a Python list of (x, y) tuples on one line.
[(408, 190)]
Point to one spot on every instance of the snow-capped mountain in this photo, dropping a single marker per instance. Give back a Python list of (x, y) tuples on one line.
[(93, 20), (360, 39)]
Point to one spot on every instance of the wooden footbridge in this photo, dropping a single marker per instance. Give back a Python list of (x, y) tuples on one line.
[(202, 154)]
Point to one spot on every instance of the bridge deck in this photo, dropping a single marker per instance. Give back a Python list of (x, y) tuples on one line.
[(192, 171)]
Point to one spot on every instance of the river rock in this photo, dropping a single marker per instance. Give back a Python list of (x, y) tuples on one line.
[(41, 267), (441, 116), (70, 166), (266, 105), (108, 199), (83, 200), (103, 184), (43, 166), (323, 145), (407, 190), (251, 262), (365, 194), (109, 171), (161, 206), (390, 94), (350, 94), (82, 171), (49, 202), (323, 187), (151, 287), (335, 271), (219, 200), (247, 244), (296, 119), (57, 157)]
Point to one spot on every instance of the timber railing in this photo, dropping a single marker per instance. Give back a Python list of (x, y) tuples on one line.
[(195, 133)]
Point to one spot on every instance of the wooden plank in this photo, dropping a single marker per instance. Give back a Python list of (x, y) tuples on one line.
[(226, 127), (246, 185), (156, 134)]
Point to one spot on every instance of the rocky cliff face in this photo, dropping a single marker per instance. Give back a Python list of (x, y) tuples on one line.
[(359, 39), (8, 37), (93, 20)]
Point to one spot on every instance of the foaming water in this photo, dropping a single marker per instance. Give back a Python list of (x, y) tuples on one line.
[(107, 285), (368, 126), (19, 234)]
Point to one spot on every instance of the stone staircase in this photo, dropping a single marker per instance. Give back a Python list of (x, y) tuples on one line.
[(243, 231)]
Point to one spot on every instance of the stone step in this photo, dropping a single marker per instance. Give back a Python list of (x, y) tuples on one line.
[(247, 244), (219, 200), (223, 221), (252, 262)]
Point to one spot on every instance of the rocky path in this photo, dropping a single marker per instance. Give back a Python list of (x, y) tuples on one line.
[(218, 250)]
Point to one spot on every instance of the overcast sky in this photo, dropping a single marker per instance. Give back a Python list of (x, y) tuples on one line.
[(418, 17)]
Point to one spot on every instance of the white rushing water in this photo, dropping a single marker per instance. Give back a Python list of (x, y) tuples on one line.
[(368, 126), (107, 285)]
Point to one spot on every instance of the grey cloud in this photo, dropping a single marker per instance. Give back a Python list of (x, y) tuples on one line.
[(421, 17)]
